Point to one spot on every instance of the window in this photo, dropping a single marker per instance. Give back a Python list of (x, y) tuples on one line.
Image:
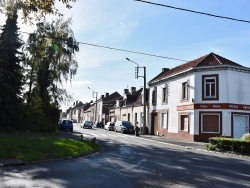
[(184, 122), (184, 95), (210, 123), (164, 121), (135, 118), (165, 94), (154, 97), (210, 87)]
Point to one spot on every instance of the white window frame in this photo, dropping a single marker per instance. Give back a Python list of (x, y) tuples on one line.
[(210, 87), (184, 91), (154, 97), (164, 124), (180, 125), (165, 94)]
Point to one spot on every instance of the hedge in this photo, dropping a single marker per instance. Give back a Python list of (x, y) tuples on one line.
[(222, 144)]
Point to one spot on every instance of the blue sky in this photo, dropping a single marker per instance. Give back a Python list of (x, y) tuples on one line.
[(136, 26)]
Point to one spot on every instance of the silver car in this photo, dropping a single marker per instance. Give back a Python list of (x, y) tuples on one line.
[(87, 124), (109, 126)]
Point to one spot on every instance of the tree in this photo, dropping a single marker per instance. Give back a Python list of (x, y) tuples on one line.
[(49, 61), (35, 8), (11, 72)]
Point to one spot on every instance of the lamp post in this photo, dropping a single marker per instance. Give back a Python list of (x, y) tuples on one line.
[(94, 96), (144, 92)]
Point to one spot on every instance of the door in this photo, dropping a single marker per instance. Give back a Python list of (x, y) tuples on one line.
[(154, 124), (240, 124)]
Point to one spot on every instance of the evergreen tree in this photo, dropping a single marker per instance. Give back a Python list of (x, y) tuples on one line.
[(11, 73)]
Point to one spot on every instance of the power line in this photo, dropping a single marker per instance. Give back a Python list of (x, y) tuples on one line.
[(118, 49), (142, 53), (197, 12)]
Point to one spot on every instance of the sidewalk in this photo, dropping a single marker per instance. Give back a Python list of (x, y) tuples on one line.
[(176, 142)]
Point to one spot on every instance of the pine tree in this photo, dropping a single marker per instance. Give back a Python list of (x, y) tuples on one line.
[(11, 73)]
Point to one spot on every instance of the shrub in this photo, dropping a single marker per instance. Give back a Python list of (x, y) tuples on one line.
[(246, 137), (239, 146)]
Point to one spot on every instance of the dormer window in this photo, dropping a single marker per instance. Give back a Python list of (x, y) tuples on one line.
[(124, 102)]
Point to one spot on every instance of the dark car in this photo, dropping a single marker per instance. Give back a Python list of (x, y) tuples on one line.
[(87, 124), (99, 124), (124, 127), (109, 126), (74, 120), (66, 125)]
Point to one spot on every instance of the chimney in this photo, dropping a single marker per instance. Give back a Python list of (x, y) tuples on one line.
[(76, 102), (107, 94), (165, 69), (133, 90), (125, 91)]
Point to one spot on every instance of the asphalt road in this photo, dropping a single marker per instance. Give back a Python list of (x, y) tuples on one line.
[(129, 161)]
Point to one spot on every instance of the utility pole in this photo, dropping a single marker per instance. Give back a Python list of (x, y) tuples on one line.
[(144, 91), (94, 96)]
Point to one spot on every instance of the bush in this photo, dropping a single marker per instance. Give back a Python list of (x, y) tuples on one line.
[(222, 144), (246, 137), (35, 118)]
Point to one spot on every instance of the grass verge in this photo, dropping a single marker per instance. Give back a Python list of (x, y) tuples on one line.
[(37, 148)]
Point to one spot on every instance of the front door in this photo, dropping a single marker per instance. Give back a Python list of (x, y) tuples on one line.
[(154, 124), (240, 125)]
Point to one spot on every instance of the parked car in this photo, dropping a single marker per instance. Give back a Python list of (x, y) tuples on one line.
[(109, 126), (74, 120), (99, 124), (87, 124), (124, 127), (66, 125)]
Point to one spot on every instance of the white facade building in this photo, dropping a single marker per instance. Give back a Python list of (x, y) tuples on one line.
[(203, 98)]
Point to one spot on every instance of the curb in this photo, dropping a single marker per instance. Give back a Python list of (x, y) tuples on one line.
[(197, 149)]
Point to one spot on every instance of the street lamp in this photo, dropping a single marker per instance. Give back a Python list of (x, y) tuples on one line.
[(144, 92), (94, 96)]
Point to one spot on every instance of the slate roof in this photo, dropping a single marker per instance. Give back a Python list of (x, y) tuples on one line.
[(211, 59), (132, 98), (112, 97)]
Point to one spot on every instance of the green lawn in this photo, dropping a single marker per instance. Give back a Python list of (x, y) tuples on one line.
[(36, 148)]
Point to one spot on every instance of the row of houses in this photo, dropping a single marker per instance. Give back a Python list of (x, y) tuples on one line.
[(206, 97)]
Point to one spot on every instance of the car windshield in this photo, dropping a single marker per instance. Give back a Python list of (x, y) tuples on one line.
[(67, 121), (127, 124), (112, 124)]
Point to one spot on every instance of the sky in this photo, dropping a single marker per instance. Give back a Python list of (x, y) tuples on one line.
[(140, 27)]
